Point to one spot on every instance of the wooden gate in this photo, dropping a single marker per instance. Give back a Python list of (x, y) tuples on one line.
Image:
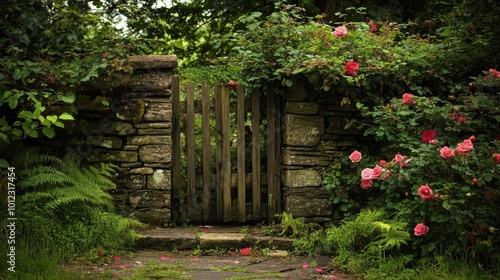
[(240, 180)]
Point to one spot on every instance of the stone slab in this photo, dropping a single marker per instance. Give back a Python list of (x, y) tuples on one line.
[(156, 153), (303, 130), (302, 178)]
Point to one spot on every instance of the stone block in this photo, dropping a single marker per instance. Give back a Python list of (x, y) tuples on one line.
[(154, 131), (156, 153), (153, 62), (150, 199), (302, 108), (130, 110), (306, 158), (131, 182), (297, 93), (149, 139), (160, 179), (142, 170), (105, 142), (303, 206), (302, 178), (157, 217), (158, 112), (112, 156), (151, 80), (157, 125), (303, 130)]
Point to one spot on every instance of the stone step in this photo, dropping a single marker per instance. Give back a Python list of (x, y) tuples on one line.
[(207, 238)]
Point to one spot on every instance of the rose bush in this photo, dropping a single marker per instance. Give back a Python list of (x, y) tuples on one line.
[(451, 187)]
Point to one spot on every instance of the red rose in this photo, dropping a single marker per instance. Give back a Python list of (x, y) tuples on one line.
[(351, 68), (382, 162), (232, 85), (496, 158), (355, 156), (465, 147), (245, 251), (425, 192), (408, 99), (428, 135), (446, 152), (474, 181), (420, 229)]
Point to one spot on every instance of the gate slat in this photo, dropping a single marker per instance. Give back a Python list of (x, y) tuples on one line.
[(240, 117), (190, 141), (207, 151), (226, 156), (218, 153), (277, 157), (271, 161), (256, 193), (176, 143)]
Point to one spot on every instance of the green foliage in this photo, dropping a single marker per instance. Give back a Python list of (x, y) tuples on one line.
[(370, 244), (287, 47), (461, 210), (69, 205)]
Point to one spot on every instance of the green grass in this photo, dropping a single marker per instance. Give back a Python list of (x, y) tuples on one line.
[(456, 268), (157, 271)]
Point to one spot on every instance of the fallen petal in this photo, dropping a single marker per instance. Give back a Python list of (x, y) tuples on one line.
[(319, 269), (305, 265), (116, 258)]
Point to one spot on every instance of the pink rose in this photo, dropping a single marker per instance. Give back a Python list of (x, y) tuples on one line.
[(386, 173), (340, 31), (474, 181), (425, 192), (398, 158), (437, 196), (351, 68), (420, 229), (373, 26), (377, 171), (465, 147), (382, 162), (355, 156), (495, 73), (496, 158), (433, 142), (446, 152), (367, 174), (472, 138), (408, 99), (366, 184)]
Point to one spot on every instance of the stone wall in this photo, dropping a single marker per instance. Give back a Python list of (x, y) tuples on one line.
[(132, 131), (314, 136)]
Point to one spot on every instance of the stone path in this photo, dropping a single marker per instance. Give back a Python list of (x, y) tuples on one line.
[(212, 253)]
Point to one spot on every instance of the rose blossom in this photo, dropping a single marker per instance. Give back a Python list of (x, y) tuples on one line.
[(428, 135), (340, 31), (386, 173), (433, 142), (366, 184), (474, 181), (373, 26), (420, 229), (232, 85), (465, 147), (462, 119), (425, 192), (382, 162), (494, 72), (245, 251), (496, 158), (377, 171), (472, 138), (398, 158), (437, 196), (446, 152), (352, 68), (367, 174), (355, 156), (408, 99)]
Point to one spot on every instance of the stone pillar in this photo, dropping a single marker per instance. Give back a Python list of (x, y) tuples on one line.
[(313, 137), (134, 132)]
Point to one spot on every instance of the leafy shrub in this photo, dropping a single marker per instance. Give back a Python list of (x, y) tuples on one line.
[(437, 166)]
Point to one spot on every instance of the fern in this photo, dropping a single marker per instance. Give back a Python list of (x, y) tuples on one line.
[(63, 183)]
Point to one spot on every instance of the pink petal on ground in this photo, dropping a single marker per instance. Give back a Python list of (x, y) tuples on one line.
[(319, 269), (236, 261), (193, 258), (116, 258), (305, 265), (163, 258)]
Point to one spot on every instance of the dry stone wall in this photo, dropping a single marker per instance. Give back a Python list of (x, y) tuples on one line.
[(314, 135), (134, 133)]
